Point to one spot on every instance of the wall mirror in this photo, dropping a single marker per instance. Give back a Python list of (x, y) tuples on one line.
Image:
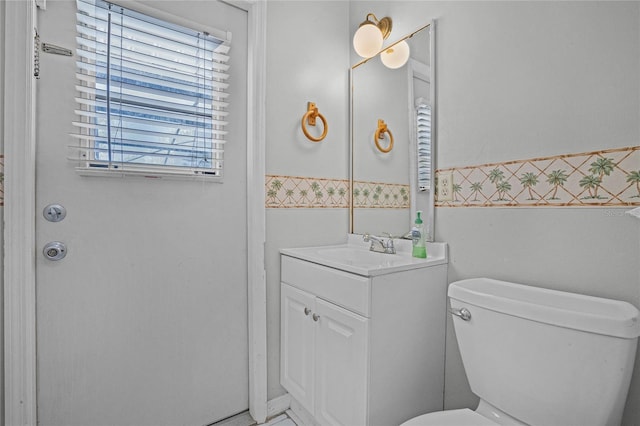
[(395, 108)]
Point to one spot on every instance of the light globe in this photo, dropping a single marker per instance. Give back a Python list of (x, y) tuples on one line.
[(396, 56), (367, 41)]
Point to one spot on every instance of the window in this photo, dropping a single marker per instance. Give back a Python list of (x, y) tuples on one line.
[(151, 94)]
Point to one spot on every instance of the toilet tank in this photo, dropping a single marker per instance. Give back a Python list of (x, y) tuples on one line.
[(546, 357)]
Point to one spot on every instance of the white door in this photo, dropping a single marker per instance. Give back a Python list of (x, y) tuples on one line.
[(145, 320), (297, 340), (341, 366)]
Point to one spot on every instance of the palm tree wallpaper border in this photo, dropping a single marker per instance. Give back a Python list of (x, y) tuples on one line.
[(603, 178), (311, 192), (305, 192), (379, 195)]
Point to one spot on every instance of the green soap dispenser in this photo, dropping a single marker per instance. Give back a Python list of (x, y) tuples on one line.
[(417, 235)]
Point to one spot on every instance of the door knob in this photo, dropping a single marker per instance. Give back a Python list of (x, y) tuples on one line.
[(55, 250)]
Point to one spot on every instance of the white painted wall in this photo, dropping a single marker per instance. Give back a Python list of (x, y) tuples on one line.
[(519, 80), (307, 60)]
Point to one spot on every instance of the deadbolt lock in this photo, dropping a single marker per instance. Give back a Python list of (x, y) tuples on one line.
[(54, 212)]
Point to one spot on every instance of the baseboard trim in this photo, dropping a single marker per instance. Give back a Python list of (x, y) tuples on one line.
[(242, 419), (278, 405)]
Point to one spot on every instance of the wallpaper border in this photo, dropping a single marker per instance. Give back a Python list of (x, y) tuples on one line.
[(606, 178), (286, 192)]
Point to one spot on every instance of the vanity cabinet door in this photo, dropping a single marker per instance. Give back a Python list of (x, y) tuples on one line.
[(341, 366), (297, 340)]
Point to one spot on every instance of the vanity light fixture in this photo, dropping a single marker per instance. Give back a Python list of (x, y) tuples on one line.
[(396, 55), (368, 39)]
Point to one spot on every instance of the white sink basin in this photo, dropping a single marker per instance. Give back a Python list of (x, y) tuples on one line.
[(359, 257), (355, 257)]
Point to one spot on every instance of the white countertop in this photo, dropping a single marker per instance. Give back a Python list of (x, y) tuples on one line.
[(354, 256)]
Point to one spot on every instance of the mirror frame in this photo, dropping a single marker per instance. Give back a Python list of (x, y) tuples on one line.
[(411, 72)]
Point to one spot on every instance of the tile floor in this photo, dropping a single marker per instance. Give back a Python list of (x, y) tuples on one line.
[(244, 419), (281, 420)]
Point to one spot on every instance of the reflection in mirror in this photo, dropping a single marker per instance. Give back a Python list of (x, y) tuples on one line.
[(392, 171)]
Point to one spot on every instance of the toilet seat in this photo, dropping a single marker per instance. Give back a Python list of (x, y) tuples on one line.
[(462, 417)]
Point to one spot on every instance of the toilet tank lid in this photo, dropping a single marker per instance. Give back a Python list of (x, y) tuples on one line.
[(576, 311)]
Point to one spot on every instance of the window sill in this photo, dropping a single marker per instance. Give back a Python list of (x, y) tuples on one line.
[(150, 173)]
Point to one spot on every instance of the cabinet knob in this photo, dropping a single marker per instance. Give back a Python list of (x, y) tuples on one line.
[(315, 317), (307, 311)]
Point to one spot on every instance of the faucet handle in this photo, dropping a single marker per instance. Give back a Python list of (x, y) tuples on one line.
[(366, 237), (389, 246)]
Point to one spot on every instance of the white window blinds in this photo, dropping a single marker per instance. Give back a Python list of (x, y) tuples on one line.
[(423, 126), (152, 95)]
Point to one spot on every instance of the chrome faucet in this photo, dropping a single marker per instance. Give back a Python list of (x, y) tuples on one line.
[(382, 246)]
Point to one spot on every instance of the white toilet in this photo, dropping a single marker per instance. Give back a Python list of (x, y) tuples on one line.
[(540, 357)]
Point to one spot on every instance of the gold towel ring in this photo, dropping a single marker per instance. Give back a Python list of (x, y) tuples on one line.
[(310, 118), (382, 129)]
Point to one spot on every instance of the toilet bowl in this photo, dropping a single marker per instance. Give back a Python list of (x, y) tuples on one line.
[(484, 415), (540, 357), (463, 417)]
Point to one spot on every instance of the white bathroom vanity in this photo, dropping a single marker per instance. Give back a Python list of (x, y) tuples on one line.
[(363, 333)]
